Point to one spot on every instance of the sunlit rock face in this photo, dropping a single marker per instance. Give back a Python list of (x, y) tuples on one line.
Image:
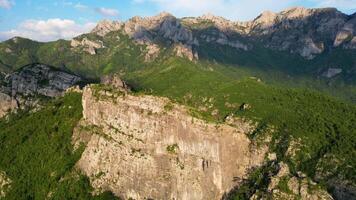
[(297, 30), (145, 147)]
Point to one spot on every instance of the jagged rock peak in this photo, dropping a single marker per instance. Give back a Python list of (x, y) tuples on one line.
[(164, 14), (115, 81), (300, 12), (106, 26), (267, 17)]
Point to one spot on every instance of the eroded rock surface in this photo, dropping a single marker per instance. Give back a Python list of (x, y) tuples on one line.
[(5, 184), (88, 46), (145, 147), (40, 79), (104, 27), (286, 186), (7, 103), (19, 89)]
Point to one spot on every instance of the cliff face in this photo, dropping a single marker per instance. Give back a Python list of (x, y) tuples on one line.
[(21, 88), (147, 147)]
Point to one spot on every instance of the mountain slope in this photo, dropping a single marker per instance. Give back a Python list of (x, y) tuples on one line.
[(219, 70), (267, 47)]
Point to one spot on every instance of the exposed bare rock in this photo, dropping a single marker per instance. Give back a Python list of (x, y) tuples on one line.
[(285, 30), (342, 36), (87, 45), (144, 147), (20, 88), (152, 52), (222, 39), (40, 79), (163, 25), (147, 30), (7, 103), (294, 147), (310, 49), (115, 81), (297, 30), (332, 72), (351, 44), (185, 51), (283, 171), (8, 50), (104, 27), (347, 34), (286, 186), (5, 184), (264, 22)]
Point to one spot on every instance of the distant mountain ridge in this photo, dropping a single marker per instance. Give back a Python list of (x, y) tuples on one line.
[(307, 32), (298, 47), (206, 74)]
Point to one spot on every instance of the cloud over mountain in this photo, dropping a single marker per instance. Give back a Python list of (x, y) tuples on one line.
[(48, 30), (108, 12)]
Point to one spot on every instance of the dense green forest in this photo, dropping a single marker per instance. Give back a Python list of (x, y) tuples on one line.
[(37, 154)]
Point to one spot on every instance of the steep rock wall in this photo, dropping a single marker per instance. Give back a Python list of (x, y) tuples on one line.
[(145, 147)]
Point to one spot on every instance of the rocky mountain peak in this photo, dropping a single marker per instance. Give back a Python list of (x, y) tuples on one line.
[(106, 26), (266, 19), (211, 17), (295, 12), (285, 31), (163, 15)]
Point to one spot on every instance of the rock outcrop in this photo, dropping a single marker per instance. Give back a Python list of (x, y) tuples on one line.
[(286, 186), (285, 30), (40, 79), (87, 45), (5, 184), (7, 103), (347, 35), (332, 72), (146, 147), (104, 27), (35, 79)]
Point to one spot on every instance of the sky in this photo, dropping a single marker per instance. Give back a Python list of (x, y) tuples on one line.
[(49, 20)]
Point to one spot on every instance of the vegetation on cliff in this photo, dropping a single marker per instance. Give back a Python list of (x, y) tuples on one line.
[(37, 153)]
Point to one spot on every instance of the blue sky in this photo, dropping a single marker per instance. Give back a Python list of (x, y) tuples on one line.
[(47, 20)]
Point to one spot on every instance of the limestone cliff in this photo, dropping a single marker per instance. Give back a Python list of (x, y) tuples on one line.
[(143, 147), (22, 87)]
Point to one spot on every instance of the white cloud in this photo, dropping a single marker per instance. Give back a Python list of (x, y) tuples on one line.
[(48, 30), (7, 4), (80, 6), (108, 12)]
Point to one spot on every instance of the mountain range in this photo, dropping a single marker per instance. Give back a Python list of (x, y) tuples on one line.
[(183, 108)]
